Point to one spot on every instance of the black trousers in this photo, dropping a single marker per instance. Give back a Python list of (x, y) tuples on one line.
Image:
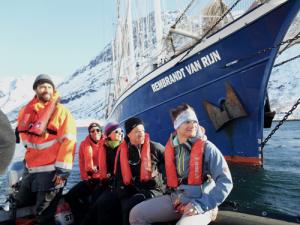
[(128, 203), (110, 208), (45, 201), (105, 211), (81, 197)]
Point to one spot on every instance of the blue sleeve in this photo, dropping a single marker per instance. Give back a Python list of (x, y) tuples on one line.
[(218, 169)]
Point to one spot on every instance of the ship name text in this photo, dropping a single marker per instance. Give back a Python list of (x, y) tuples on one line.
[(190, 69)]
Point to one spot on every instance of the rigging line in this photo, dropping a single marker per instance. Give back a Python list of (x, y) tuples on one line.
[(180, 17), (208, 31), (286, 61), (288, 41), (288, 45), (262, 51)]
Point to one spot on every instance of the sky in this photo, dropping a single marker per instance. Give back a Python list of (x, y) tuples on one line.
[(57, 37), (54, 37)]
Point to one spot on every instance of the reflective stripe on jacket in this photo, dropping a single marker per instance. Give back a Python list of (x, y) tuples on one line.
[(49, 151)]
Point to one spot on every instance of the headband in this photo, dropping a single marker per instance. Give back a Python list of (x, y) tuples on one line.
[(184, 116)]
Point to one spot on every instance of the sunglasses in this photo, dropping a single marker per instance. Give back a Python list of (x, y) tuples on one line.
[(118, 131), (95, 130)]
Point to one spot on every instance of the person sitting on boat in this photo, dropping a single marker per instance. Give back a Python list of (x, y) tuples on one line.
[(138, 168), (106, 160), (79, 195), (189, 159), (48, 132)]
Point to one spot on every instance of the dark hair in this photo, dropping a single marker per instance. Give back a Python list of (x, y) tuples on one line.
[(176, 111), (94, 124), (131, 123)]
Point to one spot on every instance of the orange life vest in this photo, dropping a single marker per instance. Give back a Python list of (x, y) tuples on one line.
[(195, 164), (47, 151), (102, 162), (88, 157), (145, 169), (36, 116)]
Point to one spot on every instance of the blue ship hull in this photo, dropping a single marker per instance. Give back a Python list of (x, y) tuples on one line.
[(224, 80)]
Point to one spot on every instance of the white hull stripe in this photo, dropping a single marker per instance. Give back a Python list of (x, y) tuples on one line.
[(49, 143), (38, 169)]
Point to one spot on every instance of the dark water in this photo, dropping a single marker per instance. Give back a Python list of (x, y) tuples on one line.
[(273, 189)]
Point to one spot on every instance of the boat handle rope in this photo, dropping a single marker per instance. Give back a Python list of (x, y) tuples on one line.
[(280, 123)]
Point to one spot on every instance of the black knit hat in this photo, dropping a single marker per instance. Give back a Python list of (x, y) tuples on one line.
[(94, 124), (43, 78), (132, 123)]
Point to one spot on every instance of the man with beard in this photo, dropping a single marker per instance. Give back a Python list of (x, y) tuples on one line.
[(48, 132)]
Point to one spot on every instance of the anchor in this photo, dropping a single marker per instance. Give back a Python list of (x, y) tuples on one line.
[(230, 108), (268, 113)]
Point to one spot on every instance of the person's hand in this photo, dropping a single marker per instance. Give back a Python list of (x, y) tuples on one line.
[(189, 210), (58, 180), (177, 204), (154, 173), (95, 169)]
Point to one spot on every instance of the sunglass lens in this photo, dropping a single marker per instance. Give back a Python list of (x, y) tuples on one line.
[(118, 131), (96, 130)]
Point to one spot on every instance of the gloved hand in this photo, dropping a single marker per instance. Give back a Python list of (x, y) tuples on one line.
[(60, 178)]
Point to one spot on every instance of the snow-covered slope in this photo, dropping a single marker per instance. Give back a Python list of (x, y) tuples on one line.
[(16, 92), (85, 92), (284, 84)]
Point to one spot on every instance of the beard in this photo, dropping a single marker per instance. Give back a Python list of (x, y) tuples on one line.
[(44, 97)]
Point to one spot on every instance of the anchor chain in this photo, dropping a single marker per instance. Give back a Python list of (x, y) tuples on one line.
[(279, 124)]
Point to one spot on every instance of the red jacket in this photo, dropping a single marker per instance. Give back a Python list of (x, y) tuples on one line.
[(89, 158)]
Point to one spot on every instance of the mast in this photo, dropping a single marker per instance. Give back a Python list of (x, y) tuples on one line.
[(158, 26), (115, 52), (131, 56), (117, 59)]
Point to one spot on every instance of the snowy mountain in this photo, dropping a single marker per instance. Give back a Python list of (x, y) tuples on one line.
[(16, 92), (284, 84), (85, 92)]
